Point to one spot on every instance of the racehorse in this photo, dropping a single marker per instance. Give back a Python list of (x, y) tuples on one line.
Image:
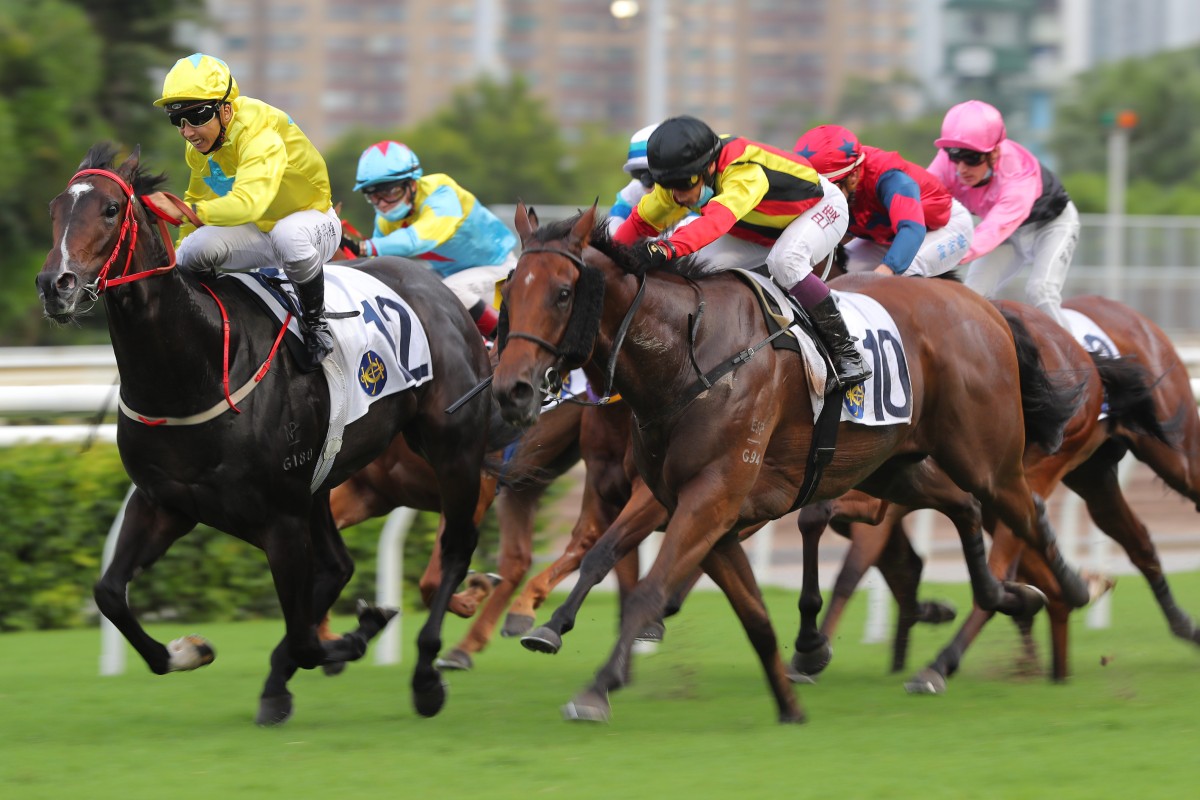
[(727, 449), (246, 470), (1121, 386), (1164, 434)]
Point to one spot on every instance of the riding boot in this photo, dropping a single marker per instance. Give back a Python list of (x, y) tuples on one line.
[(847, 363), (318, 339)]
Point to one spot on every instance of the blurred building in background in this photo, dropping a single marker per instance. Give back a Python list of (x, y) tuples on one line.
[(755, 67)]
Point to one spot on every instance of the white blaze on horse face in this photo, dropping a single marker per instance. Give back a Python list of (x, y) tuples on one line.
[(76, 190)]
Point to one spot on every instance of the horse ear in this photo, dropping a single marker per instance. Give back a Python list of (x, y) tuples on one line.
[(130, 165), (522, 224), (582, 232)]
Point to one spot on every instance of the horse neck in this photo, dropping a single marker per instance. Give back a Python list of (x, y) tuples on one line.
[(165, 338), (652, 357)]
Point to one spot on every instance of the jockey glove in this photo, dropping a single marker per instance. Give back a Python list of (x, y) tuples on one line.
[(359, 247), (659, 252)]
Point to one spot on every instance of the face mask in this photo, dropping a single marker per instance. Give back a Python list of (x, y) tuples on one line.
[(706, 194), (397, 212)]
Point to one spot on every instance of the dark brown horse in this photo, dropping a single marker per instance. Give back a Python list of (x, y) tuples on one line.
[(249, 473), (730, 451)]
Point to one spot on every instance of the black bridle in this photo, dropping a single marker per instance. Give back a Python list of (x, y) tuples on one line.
[(555, 372)]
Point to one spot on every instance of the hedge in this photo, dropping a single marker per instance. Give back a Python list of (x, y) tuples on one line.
[(60, 504)]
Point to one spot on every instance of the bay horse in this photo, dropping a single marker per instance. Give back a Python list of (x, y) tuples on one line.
[(730, 450), (1122, 387), (248, 472), (1163, 432)]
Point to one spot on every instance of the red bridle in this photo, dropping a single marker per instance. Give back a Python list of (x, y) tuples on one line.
[(129, 228)]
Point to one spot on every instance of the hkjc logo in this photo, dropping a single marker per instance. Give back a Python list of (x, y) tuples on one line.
[(856, 400), (372, 373)]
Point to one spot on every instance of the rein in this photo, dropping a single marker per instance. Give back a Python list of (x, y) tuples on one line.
[(129, 229)]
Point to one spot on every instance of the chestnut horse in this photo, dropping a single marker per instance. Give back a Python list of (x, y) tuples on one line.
[(728, 450), (1122, 387), (175, 337)]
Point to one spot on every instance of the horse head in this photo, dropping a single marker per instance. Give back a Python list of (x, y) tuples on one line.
[(552, 306), (94, 220)]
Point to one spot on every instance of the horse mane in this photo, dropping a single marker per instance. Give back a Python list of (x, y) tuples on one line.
[(102, 155), (630, 259)]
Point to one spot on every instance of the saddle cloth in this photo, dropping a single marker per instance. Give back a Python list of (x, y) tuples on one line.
[(886, 397), (378, 340), (1089, 334)]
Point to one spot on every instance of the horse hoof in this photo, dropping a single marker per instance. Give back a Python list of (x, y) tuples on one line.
[(542, 640), (428, 702), (190, 652), (517, 625), (373, 619), (274, 711), (812, 662), (936, 612), (799, 677), (927, 681), (1098, 584), (587, 706), (456, 660), (1032, 599), (653, 633), (334, 668)]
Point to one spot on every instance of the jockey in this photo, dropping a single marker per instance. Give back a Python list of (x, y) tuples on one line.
[(903, 221), (641, 183), (258, 185), (1018, 200), (756, 203), (432, 218)]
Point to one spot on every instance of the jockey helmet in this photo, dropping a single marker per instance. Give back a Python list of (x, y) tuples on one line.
[(973, 125), (636, 160), (678, 151), (386, 162), (832, 150), (197, 77)]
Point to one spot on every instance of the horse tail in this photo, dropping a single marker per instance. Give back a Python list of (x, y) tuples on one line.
[(1129, 390), (1047, 404)]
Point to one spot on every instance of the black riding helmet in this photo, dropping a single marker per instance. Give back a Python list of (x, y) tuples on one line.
[(679, 150)]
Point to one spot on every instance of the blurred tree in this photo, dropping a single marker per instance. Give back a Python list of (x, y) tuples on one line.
[(499, 142), (1164, 91), (72, 72)]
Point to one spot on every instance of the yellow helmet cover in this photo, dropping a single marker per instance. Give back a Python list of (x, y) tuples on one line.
[(198, 77)]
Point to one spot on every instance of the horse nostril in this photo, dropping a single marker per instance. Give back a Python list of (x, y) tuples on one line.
[(65, 282)]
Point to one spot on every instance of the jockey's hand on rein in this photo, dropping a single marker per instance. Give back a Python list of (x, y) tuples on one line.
[(353, 244), (659, 252)]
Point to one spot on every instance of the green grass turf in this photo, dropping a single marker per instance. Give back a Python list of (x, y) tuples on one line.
[(697, 722)]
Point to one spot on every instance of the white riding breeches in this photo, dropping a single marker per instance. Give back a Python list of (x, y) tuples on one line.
[(299, 243), (808, 240), (1048, 247), (479, 283), (941, 251)]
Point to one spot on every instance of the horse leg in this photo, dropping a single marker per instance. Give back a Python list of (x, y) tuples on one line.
[(813, 652), (728, 566), (147, 532), (638, 519), (515, 509), (1097, 483), (901, 569), (595, 516), (867, 543), (685, 545)]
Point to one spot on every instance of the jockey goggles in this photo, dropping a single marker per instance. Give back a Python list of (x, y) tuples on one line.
[(681, 184), (385, 192), (972, 158), (195, 116)]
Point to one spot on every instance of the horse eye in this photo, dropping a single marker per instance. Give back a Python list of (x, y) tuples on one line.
[(564, 294), (111, 210)]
